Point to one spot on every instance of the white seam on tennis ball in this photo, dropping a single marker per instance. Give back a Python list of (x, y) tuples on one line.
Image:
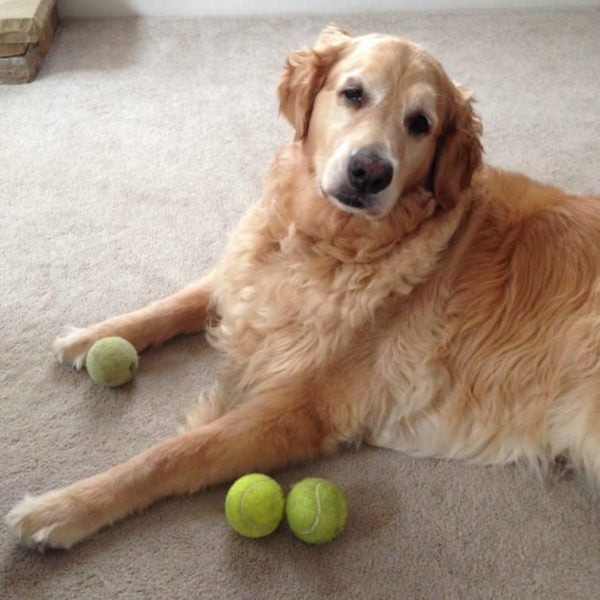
[(318, 512), (245, 517)]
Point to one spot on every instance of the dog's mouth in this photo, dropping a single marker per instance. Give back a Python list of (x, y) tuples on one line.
[(353, 200), (346, 200)]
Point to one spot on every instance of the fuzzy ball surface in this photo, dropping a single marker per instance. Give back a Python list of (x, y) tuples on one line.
[(112, 361), (254, 505), (316, 510)]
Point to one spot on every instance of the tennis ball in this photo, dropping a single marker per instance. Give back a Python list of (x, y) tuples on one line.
[(111, 361), (254, 505), (316, 510)]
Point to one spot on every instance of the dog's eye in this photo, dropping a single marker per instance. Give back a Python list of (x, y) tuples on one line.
[(353, 95), (417, 124)]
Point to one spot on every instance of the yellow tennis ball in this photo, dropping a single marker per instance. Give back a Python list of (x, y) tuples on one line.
[(254, 505), (111, 361), (316, 510)]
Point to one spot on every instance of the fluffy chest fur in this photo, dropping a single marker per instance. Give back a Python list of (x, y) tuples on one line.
[(304, 298)]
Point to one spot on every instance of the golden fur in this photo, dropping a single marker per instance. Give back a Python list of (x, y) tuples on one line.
[(457, 317)]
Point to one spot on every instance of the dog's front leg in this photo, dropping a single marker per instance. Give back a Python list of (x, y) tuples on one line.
[(186, 311), (262, 434)]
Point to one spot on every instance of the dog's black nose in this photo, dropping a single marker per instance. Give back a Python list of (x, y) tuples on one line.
[(368, 172)]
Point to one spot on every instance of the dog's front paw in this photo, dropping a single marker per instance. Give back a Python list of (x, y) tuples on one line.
[(45, 522), (72, 346)]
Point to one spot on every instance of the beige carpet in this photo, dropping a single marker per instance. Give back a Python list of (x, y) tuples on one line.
[(122, 168)]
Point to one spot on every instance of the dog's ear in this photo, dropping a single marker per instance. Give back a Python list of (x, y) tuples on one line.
[(333, 36), (304, 74), (459, 151)]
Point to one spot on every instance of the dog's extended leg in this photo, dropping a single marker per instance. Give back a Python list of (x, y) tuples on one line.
[(262, 434), (184, 312)]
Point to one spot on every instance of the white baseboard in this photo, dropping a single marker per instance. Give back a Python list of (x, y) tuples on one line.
[(172, 8)]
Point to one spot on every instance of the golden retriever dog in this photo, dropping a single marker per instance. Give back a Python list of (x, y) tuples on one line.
[(389, 288)]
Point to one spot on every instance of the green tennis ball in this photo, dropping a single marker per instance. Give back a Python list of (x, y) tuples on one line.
[(254, 505), (316, 510), (111, 361)]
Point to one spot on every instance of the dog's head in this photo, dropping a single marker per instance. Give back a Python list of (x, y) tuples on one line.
[(378, 117)]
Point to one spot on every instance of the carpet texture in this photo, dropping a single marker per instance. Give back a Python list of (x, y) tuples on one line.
[(122, 168)]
